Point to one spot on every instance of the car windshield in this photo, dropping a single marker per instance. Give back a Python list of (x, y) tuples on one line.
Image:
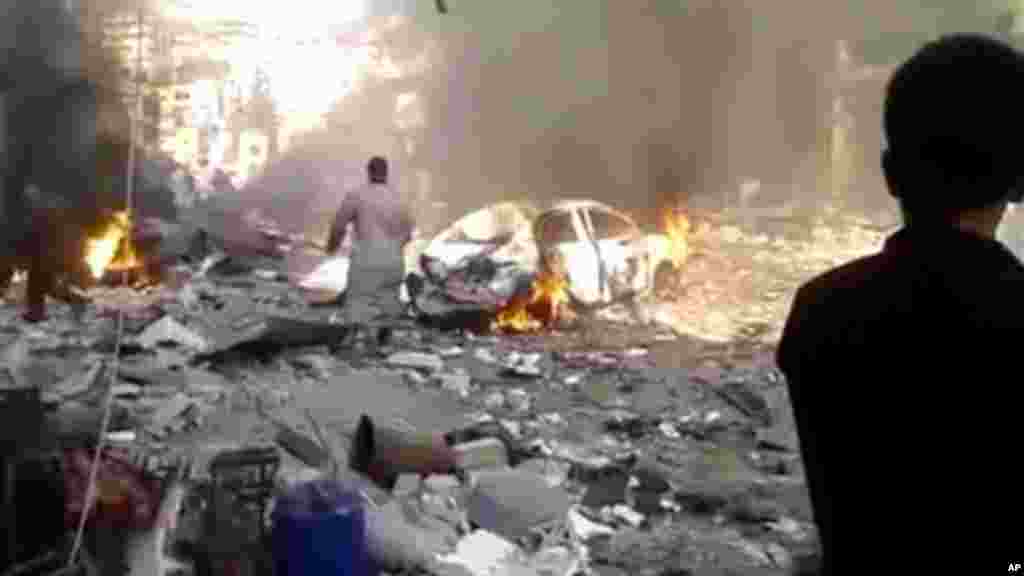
[(608, 225), (557, 228)]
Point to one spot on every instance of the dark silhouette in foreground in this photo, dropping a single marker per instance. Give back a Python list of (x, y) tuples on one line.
[(899, 339)]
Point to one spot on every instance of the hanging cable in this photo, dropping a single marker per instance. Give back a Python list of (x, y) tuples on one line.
[(115, 365)]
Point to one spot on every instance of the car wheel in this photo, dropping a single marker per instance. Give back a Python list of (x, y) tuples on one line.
[(666, 280)]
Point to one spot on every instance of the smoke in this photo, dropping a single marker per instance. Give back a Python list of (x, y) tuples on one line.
[(643, 105), (640, 104)]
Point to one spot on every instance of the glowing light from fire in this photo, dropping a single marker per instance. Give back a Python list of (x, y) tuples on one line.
[(548, 295), (113, 249), (677, 228)]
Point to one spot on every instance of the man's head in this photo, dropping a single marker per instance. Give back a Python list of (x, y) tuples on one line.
[(377, 170), (953, 123)]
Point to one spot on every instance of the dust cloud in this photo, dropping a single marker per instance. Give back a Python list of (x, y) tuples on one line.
[(640, 104), (643, 105)]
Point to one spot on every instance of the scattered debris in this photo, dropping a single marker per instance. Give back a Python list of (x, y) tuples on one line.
[(169, 331), (428, 362), (570, 434), (483, 453), (511, 503)]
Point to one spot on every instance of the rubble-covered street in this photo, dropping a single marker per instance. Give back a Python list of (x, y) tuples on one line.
[(653, 440)]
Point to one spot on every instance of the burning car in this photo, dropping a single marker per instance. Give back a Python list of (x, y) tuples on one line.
[(486, 257), (604, 254), (527, 264)]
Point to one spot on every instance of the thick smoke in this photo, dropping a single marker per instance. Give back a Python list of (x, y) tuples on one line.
[(643, 104)]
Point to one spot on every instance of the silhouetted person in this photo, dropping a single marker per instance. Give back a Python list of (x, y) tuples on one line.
[(51, 125), (383, 226), (911, 353)]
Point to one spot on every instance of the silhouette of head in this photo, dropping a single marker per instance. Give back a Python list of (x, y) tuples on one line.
[(377, 169), (953, 120)]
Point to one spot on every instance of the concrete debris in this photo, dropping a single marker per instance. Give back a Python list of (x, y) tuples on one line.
[(126, 391), (418, 360), (121, 437), (167, 415), (167, 330), (495, 401), (511, 503), (585, 529), (483, 553), (790, 528), (485, 355), (655, 450), (628, 515), (319, 366), (397, 541), (459, 384), (518, 399), (483, 453), (75, 386), (555, 472), (669, 430)]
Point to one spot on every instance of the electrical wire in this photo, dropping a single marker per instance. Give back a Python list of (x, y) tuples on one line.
[(90, 492)]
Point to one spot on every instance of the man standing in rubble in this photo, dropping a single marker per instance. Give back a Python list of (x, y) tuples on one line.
[(383, 226), (923, 335)]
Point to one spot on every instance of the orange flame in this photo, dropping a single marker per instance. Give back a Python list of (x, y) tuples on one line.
[(677, 228), (548, 296), (113, 249)]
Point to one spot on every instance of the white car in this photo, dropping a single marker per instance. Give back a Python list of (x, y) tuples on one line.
[(605, 254)]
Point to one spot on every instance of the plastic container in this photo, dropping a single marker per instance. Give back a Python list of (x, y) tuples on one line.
[(319, 529)]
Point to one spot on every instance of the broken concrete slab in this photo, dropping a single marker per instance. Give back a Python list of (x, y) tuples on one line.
[(482, 552), (168, 411), (398, 540), (511, 502), (458, 384), (167, 330), (417, 360), (584, 528), (169, 378), (272, 334)]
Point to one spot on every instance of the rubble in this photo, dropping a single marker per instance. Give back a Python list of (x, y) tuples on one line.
[(601, 446), (511, 502), (428, 362), (168, 331)]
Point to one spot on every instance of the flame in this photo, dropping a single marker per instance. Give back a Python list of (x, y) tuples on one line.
[(549, 293), (677, 228), (113, 249)]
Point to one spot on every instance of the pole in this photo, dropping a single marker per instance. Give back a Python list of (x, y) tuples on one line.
[(136, 120)]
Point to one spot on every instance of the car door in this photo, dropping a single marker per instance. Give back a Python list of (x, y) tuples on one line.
[(615, 236), (564, 233)]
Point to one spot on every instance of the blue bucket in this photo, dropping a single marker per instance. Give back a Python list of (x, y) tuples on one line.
[(320, 530)]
